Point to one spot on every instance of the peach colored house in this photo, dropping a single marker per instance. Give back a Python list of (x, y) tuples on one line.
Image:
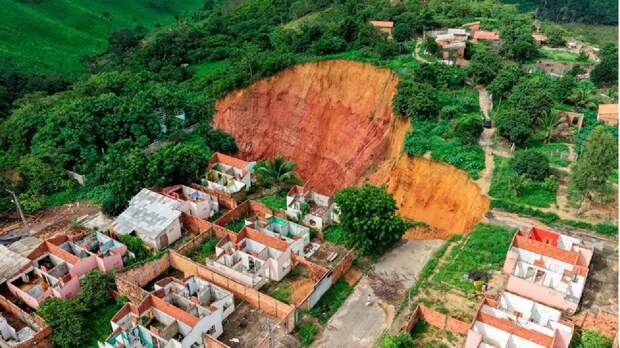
[(548, 267), (484, 35), (608, 113), (514, 321), (540, 38), (54, 267), (383, 26)]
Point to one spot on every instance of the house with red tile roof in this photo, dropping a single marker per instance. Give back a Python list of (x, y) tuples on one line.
[(178, 313), (383, 26), (548, 267), (484, 35), (515, 321), (540, 38), (608, 113)]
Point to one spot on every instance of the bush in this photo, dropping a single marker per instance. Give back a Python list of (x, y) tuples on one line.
[(606, 229), (402, 340), (511, 207), (591, 339), (136, 246), (306, 332), (94, 288), (468, 128), (530, 163)]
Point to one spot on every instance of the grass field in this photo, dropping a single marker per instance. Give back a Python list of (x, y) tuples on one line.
[(52, 36), (557, 153), (598, 35), (558, 54)]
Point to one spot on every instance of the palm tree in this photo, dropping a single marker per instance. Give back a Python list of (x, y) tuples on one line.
[(519, 182), (278, 173), (548, 123), (583, 97)]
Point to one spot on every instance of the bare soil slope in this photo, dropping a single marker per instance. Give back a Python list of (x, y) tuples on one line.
[(334, 119)]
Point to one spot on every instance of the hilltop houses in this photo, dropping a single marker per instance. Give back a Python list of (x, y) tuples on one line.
[(229, 174)]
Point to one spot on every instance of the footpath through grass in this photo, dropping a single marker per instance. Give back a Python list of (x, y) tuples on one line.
[(484, 249)]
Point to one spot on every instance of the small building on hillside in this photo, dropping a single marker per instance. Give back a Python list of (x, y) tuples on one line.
[(548, 267), (573, 118), (228, 174), (608, 113), (540, 38), (54, 267), (251, 258), (312, 208), (383, 26), (514, 321), (176, 314), (485, 35), (472, 27), (193, 201)]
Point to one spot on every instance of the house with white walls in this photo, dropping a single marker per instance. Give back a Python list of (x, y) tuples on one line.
[(251, 258), (228, 174), (516, 322), (193, 201), (548, 267), (312, 208), (176, 314)]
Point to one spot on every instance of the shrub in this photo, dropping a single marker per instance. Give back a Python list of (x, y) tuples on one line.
[(402, 340), (530, 163), (306, 332), (591, 339), (136, 246), (606, 229), (468, 128)]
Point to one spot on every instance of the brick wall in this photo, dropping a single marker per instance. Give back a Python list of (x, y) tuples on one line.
[(130, 282), (211, 342), (234, 214), (315, 271), (194, 224), (343, 266), (41, 338), (224, 199), (436, 319)]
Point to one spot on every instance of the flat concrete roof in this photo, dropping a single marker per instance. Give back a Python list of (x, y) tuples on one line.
[(148, 213)]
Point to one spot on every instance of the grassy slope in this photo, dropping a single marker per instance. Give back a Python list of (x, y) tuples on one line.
[(598, 35), (52, 35)]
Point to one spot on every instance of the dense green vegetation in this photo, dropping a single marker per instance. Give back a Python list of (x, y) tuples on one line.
[(573, 11), (508, 184), (54, 37), (484, 249), (368, 218), (331, 301), (590, 339)]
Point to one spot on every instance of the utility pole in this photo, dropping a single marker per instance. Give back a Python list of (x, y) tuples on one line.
[(25, 229)]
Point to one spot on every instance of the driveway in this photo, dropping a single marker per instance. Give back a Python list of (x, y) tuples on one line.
[(370, 309)]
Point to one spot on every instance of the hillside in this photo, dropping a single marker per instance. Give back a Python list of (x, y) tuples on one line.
[(45, 36)]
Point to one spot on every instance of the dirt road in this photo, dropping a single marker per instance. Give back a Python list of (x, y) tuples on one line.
[(370, 309)]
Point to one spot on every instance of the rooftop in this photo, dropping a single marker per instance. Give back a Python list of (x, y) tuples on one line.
[(10, 263), (148, 212), (382, 24), (486, 35)]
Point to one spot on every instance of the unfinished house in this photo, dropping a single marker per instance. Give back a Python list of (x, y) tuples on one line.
[(251, 258), (516, 322), (312, 208), (56, 265), (384, 26), (194, 202), (548, 267), (170, 317), (228, 174), (152, 217), (19, 329)]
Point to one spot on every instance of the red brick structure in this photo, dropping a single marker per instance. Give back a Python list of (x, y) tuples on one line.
[(436, 319)]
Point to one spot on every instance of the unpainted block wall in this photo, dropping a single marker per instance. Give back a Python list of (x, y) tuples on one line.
[(439, 320), (130, 282), (41, 339)]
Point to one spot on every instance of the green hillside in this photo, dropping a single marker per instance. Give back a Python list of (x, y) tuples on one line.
[(42, 36)]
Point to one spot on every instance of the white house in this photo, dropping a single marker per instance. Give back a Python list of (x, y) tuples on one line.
[(312, 208), (229, 174)]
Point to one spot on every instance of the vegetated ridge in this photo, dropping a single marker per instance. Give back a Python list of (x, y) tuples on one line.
[(334, 119)]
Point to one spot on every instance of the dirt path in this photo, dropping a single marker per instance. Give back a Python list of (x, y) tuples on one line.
[(486, 104), (417, 51)]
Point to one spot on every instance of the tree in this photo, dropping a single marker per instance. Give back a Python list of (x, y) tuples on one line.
[(416, 100), (177, 164), (504, 81), (513, 124), (519, 43), (121, 40), (534, 96), (278, 173), (368, 218), (530, 163), (95, 288), (402, 32), (595, 164), (606, 72), (67, 321), (555, 37), (549, 123), (484, 65), (591, 339), (402, 340), (468, 128), (431, 46), (519, 183)]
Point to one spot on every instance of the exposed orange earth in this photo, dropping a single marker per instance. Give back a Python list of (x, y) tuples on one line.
[(334, 119)]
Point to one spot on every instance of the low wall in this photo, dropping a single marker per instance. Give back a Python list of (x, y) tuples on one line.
[(41, 338), (343, 266), (130, 281), (224, 199), (436, 319)]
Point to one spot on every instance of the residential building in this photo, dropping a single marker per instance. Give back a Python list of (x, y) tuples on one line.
[(573, 118), (608, 113), (484, 35), (473, 27), (55, 266), (228, 174), (516, 322), (383, 26), (19, 329), (540, 38), (251, 258), (152, 217), (176, 314), (312, 208), (548, 267), (194, 202)]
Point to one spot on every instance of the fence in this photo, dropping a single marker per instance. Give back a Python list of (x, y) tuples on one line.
[(436, 319)]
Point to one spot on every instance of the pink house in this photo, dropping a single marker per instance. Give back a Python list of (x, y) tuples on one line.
[(514, 321), (56, 265), (548, 267)]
